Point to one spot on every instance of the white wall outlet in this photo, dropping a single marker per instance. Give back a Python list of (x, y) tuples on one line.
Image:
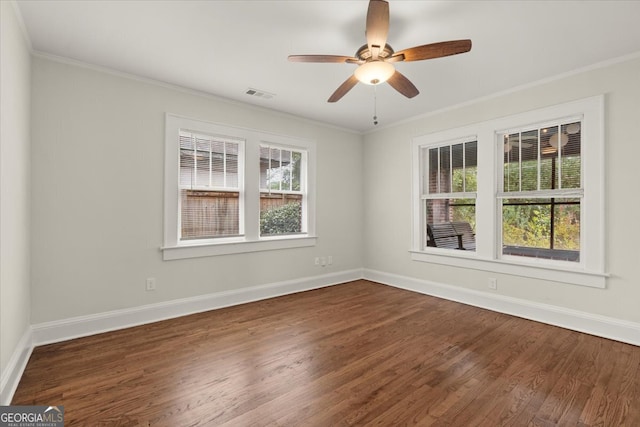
[(493, 283), (323, 261), (317, 261), (150, 284), (329, 260)]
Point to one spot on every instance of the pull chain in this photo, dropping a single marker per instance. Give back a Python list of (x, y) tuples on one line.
[(375, 106)]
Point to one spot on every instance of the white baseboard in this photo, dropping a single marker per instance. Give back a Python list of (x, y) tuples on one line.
[(13, 371), (76, 327), (593, 324), (61, 330)]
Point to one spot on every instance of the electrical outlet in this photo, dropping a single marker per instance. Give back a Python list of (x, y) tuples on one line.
[(317, 261), (329, 260), (323, 261), (493, 283), (150, 284)]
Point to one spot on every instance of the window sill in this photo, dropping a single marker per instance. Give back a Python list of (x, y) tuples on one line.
[(192, 250), (545, 272)]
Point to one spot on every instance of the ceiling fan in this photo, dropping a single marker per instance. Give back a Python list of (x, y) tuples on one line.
[(376, 58)]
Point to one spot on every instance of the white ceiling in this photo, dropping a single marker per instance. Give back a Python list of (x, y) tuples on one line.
[(225, 47)]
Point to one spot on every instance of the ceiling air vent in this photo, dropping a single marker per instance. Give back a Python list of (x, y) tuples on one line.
[(259, 93)]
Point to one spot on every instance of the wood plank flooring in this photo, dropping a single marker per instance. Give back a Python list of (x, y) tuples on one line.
[(360, 353)]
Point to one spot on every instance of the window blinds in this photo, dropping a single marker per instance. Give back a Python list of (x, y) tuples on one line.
[(209, 186)]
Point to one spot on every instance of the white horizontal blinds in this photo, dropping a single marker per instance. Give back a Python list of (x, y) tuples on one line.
[(542, 161), (541, 191), (281, 190), (209, 186), (449, 185), (570, 164), (187, 160)]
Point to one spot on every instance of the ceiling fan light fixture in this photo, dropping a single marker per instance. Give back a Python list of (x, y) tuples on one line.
[(374, 72)]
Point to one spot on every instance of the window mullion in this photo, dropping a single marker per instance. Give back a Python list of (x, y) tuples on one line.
[(520, 161), (560, 157), (438, 174), (194, 177), (464, 167), (269, 170), (280, 167), (539, 162), (450, 168), (210, 163)]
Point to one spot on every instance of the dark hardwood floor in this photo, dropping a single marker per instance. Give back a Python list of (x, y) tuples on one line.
[(354, 354)]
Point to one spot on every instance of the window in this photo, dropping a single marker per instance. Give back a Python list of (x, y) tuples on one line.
[(281, 190), (529, 186), (541, 191), (209, 186), (233, 190), (449, 193)]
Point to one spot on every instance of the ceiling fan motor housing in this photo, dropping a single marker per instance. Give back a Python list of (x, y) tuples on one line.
[(364, 54)]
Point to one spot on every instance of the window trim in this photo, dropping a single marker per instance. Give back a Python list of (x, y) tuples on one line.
[(591, 270), (304, 188), (250, 241), (238, 189), (425, 193)]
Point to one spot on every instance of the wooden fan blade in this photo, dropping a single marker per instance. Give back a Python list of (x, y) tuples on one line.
[(402, 84), (435, 50), (343, 89), (377, 26), (322, 58)]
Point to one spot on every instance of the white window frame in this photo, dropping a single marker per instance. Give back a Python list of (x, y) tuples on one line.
[(209, 187), (591, 270), (250, 240), (303, 185), (426, 195)]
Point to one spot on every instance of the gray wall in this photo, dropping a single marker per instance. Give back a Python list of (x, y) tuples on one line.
[(98, 144), (15, 86), (388, 195)]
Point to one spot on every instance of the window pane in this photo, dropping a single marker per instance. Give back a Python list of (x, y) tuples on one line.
[(549, 168), (217, 174), (187, 161), (285, 168), (444, 174), (542, 159), (208, 214), (275, 174), (511, 173), (296, 171), (451, 223), (541, 228), (471, 166), (571, 162), (280, 169), (529, 156), (567, 227), (202, 162), (264, 167), (433, 170), (232, 150), (280, 214), (457, 162)]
